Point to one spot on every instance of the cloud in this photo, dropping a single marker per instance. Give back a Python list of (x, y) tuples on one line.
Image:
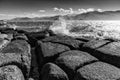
[(41, 11), (89, 10), (71, 11)]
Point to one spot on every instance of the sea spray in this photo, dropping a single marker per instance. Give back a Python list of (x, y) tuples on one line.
[(95, 29), (60, 27)]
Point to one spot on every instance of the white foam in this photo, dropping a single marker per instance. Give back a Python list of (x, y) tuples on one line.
[(108, 29)]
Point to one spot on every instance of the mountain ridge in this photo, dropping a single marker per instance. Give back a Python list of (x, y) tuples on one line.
[(93, 15)]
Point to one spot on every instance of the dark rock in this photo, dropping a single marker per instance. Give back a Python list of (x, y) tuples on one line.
[(98, 71), (38, 35), (20, 37), (31, 79), (49, 51), (51, 71), (11, 72), (109, 53), (8, 31), (31, 40), (71, 60), (65, 40), (34, 71)]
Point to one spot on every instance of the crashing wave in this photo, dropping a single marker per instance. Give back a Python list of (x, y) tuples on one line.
[(95, 29)]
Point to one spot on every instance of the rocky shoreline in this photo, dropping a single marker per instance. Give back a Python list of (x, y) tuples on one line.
[(47, 56)]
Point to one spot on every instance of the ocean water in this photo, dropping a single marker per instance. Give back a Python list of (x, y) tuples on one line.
[(91, 28)]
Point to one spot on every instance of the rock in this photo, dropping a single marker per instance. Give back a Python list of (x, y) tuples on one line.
[(20, 37), (71, 60), (111, 49), (65, 40), (74, 58), (8, 31), (6, 36), (98, 71), (31, 79), (16, 52), (49, 51), (38, 35), (95, 44), (109, 53), (51, 71), (11, 72), (3, 43)]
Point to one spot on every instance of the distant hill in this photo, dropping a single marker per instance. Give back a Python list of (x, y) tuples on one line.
[(95, 15), (34, 19)]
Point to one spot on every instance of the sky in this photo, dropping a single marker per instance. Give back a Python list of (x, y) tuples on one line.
[(38, 8)]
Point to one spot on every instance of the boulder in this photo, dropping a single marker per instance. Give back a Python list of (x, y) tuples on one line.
[(109, 53), (49, 51), (50, 71), (98, 71), (70, 61), (93, 44), (11, 72), (16, 52), (65, 40)]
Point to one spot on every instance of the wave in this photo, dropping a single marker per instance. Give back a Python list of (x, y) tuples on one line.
[(96, 29)]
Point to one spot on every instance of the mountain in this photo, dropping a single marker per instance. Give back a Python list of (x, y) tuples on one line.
[(19, 19), (95, 15)]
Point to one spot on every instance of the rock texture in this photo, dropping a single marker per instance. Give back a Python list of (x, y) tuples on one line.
[(11, 72), (51, 71), (46, 56)]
